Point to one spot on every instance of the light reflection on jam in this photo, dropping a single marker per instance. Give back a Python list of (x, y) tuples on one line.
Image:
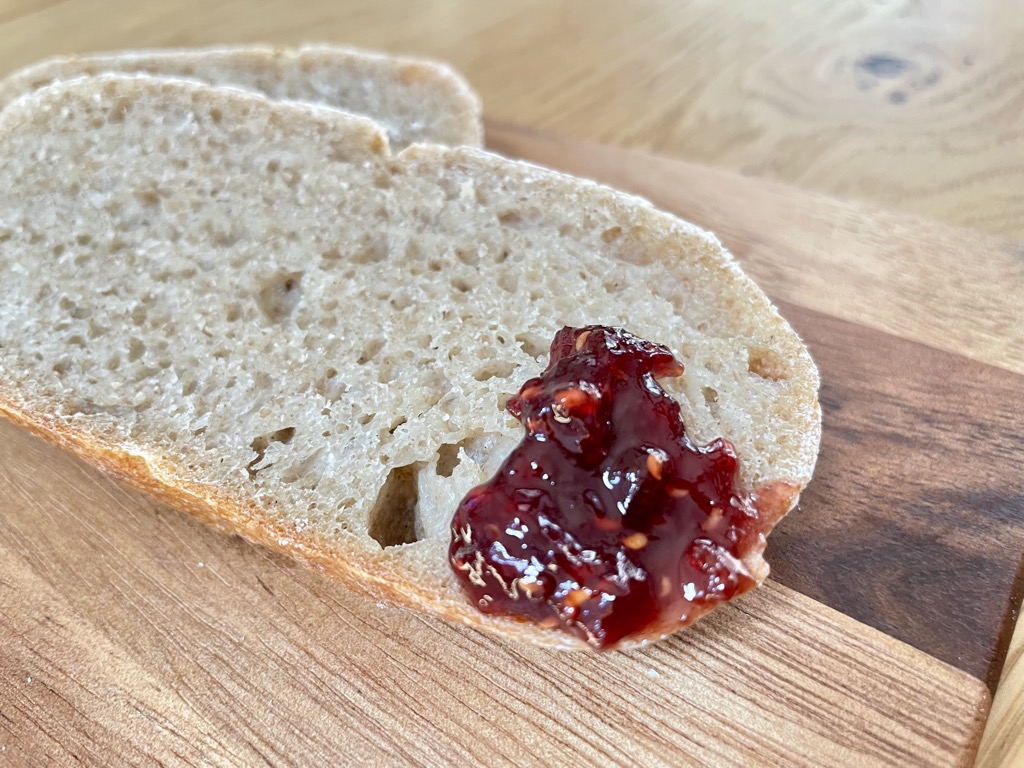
[(605, 520)]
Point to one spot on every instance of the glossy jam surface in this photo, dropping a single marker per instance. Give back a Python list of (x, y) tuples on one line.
[(605, 520)]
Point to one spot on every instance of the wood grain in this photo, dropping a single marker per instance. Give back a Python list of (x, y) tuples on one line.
[(915, 521), (1002, 744), (131, 634), (911, 105)]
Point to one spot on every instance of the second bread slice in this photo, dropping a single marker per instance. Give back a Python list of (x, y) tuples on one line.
[(414, 100)]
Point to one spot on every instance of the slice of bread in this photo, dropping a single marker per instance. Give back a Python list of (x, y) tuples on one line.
[(257, 312), (413, 99)]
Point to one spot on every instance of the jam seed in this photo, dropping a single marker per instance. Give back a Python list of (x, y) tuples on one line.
[(637, 540), (577, 597), (712, 521), (571, 398), (666, 587), (655, 461), (581, 340), (532, 589)]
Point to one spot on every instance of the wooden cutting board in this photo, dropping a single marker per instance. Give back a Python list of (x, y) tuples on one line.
[(130, 634)]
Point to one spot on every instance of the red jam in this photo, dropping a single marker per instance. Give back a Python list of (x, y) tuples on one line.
[(605, 520)]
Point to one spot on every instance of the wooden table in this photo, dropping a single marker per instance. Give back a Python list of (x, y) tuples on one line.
[(904, 105)]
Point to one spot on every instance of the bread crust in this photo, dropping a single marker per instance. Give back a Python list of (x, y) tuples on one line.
[(384, 582)]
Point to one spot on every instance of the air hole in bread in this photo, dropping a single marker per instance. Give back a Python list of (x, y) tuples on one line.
[(382, 181), (83, 239), (260, 445), (392, 520), (307, 472), (373, 251), (216, 116), (291, 177), (141, 374), (387, 371), (611, 234), (401, 301), (280, 295), (58, 249), (508, 282), (370, 351), (532, 344), (494, 370), (224, 234), (511, 219), (396, 423), (467, 257), (711, 400), (766, 363), (148, 195), (462, 285), (331, 254), (120, 109), (364, 419), (329, 388), (136, 349), (448, 458)]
